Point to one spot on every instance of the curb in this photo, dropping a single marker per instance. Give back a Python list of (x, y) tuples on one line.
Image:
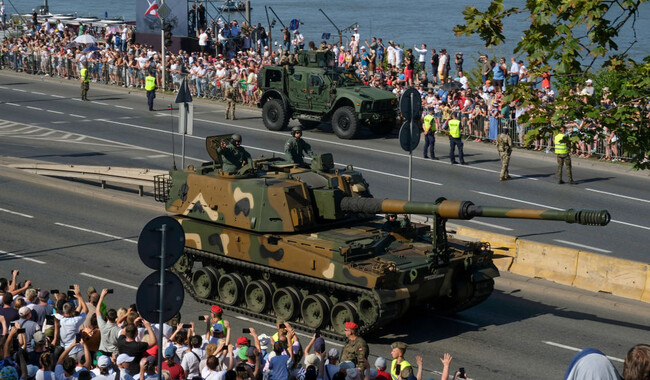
[(580, 269)]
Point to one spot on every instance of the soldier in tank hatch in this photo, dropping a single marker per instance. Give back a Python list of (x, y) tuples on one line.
[(233, 155), (296, 146)]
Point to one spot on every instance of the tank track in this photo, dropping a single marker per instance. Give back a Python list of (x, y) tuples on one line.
[(296, 279)]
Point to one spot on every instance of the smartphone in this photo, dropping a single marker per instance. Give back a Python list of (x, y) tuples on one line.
[(109, 291), (134, 307), (71, 293), (187, 326), (317, 333), (20, 331), (246, 331), (201, 317), (398, 369), (77, 338), (54, 291), (461, 370)]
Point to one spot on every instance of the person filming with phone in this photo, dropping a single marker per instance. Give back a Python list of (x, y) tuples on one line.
[(399, 367), (69, 322)]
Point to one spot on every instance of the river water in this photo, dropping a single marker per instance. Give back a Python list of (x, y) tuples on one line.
[(406, 22)]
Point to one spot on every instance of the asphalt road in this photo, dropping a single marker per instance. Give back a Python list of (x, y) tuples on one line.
[(59, 232), (115, 128)]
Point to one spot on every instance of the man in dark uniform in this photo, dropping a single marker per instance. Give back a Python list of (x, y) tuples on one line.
[(231, 96), (150, 86), (295, 146), (233, 155), (504, 147), (356, 349), (429, 135), (455, 140)]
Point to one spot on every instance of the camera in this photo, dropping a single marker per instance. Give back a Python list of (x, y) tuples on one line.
[(54, 291), (246, 331), (109, 291), (187, 326), (201, 317), (71, 293)]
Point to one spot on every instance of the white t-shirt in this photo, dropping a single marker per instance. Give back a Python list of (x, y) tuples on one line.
[(206, 374), (69, 329), (203, 39)]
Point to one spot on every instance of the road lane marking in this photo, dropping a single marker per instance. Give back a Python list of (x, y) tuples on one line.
[(75, 115), (19, 90), (630, 224), (38, 93), (109, 281), (60, 122), (516, 200), (15, 213), (491, 225), (4, 88), (21, 257), (13, 104), (57, 96), (458, 321), (582, 246), (57, 112), (126, 108), (96, 232), (619, 195), (275, 327), (34, 108), (578, 350), (96, 102)]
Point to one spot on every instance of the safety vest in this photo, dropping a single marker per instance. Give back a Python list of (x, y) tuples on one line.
[(84, 74), (393, 369), (427, 123), (454, 128), (150, 83), (560, 145)]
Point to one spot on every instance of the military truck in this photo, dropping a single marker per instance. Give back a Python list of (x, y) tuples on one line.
[(314, 90), (304, 244)]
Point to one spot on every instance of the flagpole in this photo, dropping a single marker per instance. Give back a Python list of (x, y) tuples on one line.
[(162, 48)]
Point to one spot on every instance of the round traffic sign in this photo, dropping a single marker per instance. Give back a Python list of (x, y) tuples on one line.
[(410, 104), (150, 242), (409, 135), (148, 297)]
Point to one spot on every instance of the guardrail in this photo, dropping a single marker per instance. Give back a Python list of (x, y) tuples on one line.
[(123, 176)]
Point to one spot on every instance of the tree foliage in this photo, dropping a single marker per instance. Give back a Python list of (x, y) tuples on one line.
[(569, 37)]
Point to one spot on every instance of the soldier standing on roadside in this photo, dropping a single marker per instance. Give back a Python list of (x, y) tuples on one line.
[(399, 367), (563, 156), (230, 95), (295, 146), (356, 349), (504, 147), (85, 81)]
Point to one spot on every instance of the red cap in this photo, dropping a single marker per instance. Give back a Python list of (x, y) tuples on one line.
[(242, 340), (351, 325), (216, 309)]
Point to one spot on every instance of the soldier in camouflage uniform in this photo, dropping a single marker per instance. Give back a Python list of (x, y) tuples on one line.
[(356, 349), (295, 146), (233, 155), (230, 94), (504, 146)]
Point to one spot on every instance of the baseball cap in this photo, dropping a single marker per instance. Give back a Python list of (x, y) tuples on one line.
[(319, 344), (333, 353), (216, 309), (170, 351), (23, 311), (217, 328), (265, 341), (242, 340), (124, 358), (380, 362), (352, 374), (589, 81), (243, 352), (103, 361), (43, 293), (312, 359), (346, 365), (39, 337)]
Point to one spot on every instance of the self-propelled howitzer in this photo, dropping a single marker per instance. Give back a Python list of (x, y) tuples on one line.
[(279, 241)]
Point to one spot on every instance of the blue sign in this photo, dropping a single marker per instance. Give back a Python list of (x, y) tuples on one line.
[(294, 24), (326, 36)]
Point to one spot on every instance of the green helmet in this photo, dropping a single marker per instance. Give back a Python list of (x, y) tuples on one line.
[(295, 129), (236, 137)]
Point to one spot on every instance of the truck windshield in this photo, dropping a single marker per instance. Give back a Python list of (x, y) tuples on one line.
[(344, 77)]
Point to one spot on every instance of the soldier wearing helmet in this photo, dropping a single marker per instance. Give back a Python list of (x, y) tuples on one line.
[(295, 146), (233, 155)]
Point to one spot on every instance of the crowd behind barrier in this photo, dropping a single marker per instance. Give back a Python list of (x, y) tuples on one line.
[(233, 58)]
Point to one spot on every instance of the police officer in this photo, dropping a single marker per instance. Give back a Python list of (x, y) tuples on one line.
[(399, 368), (233, 155), (563, 156), (356, 349), (453, 129), (504, 147), (429, 135), (295, 146), (150, 86), (85, 81), (231, 96)]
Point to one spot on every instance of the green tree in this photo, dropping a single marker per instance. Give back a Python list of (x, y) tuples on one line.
[(570, 36)]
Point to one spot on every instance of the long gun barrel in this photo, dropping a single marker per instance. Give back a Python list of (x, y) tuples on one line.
[(450, 209)]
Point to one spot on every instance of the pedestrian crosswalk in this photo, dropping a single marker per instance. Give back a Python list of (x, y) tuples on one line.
[(18, 130)]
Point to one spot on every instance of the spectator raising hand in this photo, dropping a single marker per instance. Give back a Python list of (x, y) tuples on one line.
[(446, 361)]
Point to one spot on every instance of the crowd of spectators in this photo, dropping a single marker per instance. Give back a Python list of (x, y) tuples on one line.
[(65, 336), (232, 55)]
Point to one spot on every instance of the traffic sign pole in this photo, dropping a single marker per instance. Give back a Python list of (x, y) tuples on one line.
[(163, 253), (411, 155)]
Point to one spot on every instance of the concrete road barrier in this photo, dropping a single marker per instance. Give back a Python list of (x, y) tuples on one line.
[(550, 262), (601, 273)]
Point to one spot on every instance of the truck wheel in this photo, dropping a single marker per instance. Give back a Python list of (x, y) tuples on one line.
[(309, 123), (345, 123), (274, 115)]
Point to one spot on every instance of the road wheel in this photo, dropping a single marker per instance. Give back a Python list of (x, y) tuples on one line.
[(343, 312), (309, 123), (345, 123), (275, 117)]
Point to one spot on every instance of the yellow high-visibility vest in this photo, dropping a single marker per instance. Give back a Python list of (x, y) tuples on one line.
[(427, 123), (560, 146), (393, 369), (150, 83), (84, 74), (454, 128)]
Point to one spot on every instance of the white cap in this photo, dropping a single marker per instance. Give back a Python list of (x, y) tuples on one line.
[(23, 311), (103, 361), (124, 358), (589, 81)]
